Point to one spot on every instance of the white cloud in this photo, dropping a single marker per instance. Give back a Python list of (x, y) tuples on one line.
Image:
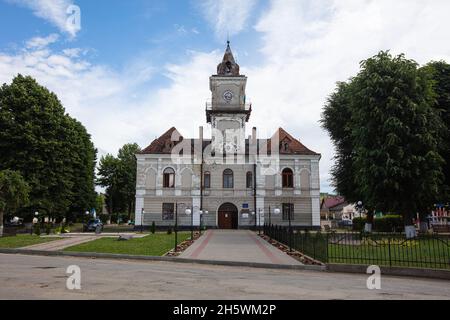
[(227, 16), (54, 11), (40, 42)]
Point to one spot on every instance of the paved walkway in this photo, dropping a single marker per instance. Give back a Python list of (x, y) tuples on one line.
[(236, 245), (57, 245)]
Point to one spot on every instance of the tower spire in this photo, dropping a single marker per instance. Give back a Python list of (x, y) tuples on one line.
[(228, 67)]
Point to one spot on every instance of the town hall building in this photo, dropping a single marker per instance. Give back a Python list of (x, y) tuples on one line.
[(230, 180)]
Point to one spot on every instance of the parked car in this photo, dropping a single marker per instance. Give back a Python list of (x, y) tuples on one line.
[(345, 223), (92, 225), (15, 222)]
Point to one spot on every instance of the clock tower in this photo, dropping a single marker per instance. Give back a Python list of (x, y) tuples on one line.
[(228, 111)]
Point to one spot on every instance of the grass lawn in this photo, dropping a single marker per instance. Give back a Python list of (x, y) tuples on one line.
[(152, 245), (22, 240), (420, 254)]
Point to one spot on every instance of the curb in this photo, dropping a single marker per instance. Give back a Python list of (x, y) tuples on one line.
[(392, 271), (332, 268), (161, 259)]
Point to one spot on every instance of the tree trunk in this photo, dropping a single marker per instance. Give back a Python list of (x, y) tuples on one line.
[(1, 223), (369, 224), (423, 228)]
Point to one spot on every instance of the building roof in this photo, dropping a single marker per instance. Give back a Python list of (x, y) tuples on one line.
[(331, 202), (288, 145), (165, 143)]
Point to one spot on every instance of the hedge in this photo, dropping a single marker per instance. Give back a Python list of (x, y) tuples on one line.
[(390, 223)]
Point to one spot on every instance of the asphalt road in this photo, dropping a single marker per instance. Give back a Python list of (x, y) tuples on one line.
[(36, 277)]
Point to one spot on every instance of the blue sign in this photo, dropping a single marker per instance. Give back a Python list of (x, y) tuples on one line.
[(245, 206)]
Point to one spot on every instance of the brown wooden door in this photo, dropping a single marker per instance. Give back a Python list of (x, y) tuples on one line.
[(228, 217), (225, 220)]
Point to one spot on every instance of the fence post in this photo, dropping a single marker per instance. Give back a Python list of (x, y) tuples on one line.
[(290, 239), (389, 248)]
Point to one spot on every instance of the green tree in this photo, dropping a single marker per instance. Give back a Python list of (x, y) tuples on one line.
[(440, 72), (127, 174), (118, 176), (99, 203), (107, 177), (14, 191), (387, 141), (50, 149)]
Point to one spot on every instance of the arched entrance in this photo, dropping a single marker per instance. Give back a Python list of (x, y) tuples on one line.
[(228, 216)]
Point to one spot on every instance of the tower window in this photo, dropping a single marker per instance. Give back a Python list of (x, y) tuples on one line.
[(288, 178), (169, 178), (228, 179)]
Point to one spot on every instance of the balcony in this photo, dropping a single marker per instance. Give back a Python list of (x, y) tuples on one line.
[(245, 108)]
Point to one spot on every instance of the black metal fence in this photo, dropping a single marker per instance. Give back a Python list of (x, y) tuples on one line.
[(384, 249)]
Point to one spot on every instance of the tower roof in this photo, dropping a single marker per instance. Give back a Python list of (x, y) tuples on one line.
[(228, 66)]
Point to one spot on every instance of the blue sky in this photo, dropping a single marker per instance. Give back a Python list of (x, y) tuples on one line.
[(136, 68)]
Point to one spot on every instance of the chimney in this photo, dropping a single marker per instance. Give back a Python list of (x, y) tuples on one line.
[(200, 134)]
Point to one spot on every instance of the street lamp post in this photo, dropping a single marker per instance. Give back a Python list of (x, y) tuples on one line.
[(176, 227), (36, 214), (87, 219), (259, 222), (142, 220), (190, 213), (290, 228)]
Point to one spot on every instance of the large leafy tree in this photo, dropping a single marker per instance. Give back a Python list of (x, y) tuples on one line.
[(14, 193), (385, 130), (50, 149), (118, 176), (127, 177), (108, 177), (440, 73)]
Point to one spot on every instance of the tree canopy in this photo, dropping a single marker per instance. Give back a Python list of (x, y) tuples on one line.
[(14, 193), (118, 176), (51, 150), (386, 132)]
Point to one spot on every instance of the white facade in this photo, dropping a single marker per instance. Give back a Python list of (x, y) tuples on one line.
[(230, 180)]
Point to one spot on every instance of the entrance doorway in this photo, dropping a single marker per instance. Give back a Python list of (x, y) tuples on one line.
[(228, 216)]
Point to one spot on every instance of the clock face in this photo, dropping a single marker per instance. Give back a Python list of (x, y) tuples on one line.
[(228, 96)]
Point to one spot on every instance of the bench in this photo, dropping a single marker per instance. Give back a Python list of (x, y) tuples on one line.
[(441, 228)]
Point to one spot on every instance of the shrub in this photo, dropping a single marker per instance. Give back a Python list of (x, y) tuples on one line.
[(389, 223), (169, 231), (37, 229), (358, 224), (48, 228), (153, 228)]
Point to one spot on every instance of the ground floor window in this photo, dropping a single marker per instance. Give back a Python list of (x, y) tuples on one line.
[(168, 210), (288, 211)]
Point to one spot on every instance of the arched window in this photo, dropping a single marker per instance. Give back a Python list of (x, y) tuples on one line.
[(228, 179), (169, 178), (207, 180), (288, 178), (249, 179)]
